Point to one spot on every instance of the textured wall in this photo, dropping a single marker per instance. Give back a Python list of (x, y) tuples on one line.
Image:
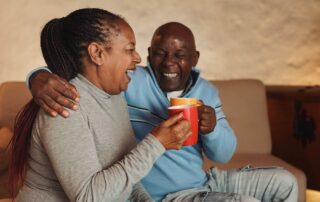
[(275, 41)]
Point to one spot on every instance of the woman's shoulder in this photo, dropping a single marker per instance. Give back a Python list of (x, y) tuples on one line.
[(44, 120)]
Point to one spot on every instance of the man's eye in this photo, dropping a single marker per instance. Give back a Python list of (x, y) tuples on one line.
[(180, 56), (159, 53)]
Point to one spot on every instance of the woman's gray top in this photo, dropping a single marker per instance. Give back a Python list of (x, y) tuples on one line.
[(91, 155)]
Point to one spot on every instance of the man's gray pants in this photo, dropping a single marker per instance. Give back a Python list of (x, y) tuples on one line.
[(247, 184)]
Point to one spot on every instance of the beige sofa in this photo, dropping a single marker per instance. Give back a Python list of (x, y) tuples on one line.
[(244, 103), (13, 95)]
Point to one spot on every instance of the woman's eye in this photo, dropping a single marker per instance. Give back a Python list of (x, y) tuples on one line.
[(131, 50)]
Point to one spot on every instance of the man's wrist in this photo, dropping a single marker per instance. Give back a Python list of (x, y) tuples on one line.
[(33, 73)]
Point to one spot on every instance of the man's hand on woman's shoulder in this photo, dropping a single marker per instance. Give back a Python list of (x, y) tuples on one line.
[(53, 94)]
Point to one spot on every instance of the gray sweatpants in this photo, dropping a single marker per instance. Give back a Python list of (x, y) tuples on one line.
[(248, 184)]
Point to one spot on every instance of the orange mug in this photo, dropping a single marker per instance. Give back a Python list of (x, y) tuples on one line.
[(185, 101), (190, 113)]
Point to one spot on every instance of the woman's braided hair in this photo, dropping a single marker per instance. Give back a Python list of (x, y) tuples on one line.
[(64, 41)]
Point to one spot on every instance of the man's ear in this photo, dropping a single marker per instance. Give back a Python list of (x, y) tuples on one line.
[(95, 52), (195, 58), (148, 57)]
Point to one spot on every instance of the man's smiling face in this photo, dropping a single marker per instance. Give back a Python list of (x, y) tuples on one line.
[(172, 55)]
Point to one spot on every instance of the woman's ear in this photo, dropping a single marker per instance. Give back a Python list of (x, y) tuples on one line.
[(95, 52)]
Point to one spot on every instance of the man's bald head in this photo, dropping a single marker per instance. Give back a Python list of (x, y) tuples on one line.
[(175, 29)]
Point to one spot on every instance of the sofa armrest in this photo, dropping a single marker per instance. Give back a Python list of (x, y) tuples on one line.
[(5, 137)]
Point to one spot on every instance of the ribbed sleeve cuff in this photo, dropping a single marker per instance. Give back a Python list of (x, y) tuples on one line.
[(155, 145), (31, 74)]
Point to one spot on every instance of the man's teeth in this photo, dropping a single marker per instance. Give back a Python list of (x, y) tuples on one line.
[(170, 75), (129, 71)]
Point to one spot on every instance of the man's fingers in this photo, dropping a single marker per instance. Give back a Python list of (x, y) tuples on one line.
[(55, 106), (205, 115), (76, 95), (65, 102), (68, 90), (205, 109), (204, 128), (172, 120), (204, 122), (208, 109), (201, 108), (47, 109)]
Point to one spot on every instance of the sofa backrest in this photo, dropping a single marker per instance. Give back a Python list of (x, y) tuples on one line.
[(13, 95), (245, 105)]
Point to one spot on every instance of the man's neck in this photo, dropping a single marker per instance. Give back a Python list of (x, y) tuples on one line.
[(174, 94)]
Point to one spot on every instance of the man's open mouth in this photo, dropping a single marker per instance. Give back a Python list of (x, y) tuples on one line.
[(170, 75)]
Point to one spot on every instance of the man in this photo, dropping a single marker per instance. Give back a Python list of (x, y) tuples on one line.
[(178, 175)]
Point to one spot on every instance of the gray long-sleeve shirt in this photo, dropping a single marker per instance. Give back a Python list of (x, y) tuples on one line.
[(90, 156)]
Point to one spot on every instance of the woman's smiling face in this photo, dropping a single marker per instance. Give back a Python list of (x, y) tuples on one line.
[(121, 57)]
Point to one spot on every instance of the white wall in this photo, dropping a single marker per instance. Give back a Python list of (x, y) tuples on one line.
[(275, 41)]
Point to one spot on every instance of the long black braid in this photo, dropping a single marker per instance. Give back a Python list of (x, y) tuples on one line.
[(63, 43)]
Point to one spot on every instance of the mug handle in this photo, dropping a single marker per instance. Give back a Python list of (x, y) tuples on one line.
[(199, 103)]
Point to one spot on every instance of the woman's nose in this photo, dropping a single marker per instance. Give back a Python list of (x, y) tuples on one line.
[(136, 58)]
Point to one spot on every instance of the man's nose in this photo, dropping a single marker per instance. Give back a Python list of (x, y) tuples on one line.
[(169, 60)]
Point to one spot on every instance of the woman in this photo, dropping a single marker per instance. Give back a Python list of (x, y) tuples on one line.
[(91, 156)]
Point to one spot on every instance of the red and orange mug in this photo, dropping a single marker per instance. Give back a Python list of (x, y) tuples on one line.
[(190, 113), (185, 101)]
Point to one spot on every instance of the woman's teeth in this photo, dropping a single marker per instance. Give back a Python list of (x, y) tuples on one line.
[(170, 75)]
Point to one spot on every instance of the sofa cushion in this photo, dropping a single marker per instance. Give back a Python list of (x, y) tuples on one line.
[(13, 95), (244, 103)]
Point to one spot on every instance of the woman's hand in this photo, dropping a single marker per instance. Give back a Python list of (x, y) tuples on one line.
[(53, 93), (172, 132)]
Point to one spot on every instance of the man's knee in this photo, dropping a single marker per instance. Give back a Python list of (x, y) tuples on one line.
[(287, 179), (288, 186)]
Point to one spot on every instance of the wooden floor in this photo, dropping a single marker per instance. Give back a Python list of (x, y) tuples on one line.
[(313, 196)]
